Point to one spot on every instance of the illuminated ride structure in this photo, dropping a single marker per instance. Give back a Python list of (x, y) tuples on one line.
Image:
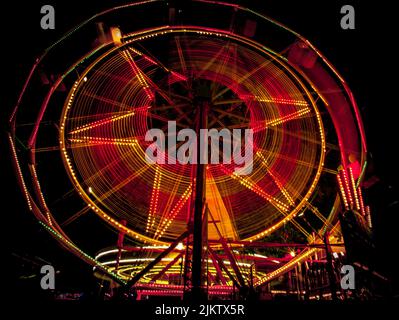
[(191, 230)]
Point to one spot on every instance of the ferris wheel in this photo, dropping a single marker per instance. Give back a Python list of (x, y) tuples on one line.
[(84, 170)]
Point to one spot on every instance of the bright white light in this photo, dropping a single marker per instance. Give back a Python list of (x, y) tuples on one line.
[(85, 79), (90, 190), (180, 246)]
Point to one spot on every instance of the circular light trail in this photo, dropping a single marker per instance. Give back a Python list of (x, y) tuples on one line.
[(127, 92)]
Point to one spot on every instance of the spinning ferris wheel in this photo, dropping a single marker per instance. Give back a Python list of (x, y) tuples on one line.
[(83, 160)]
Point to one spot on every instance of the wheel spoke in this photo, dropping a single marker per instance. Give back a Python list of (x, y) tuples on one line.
[(252, 186), (276, 180), (102, 122)]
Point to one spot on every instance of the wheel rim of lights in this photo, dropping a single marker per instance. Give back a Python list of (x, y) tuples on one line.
[(114, 133)]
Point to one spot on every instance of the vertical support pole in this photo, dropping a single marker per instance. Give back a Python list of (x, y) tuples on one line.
[(330, 269), (119, 245), (121, 237), (199, 204)]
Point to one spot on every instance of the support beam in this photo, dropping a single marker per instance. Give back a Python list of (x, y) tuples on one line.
[(258, 244), (221, 264), (199, 204), (233, 262), (330, 268), (230, 256), (166, 268), (163, 254), (218, 270)]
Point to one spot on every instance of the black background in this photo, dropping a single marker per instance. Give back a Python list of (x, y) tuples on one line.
[(366, 57)]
